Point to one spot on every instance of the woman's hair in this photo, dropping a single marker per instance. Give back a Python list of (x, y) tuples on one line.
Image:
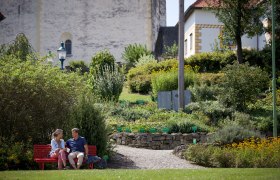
[(56, 133)]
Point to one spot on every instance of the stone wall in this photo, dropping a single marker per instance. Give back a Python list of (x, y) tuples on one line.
[(157, 140)]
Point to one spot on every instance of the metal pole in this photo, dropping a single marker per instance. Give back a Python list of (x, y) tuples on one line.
[(273, 72), (61, 60), (181, 56)]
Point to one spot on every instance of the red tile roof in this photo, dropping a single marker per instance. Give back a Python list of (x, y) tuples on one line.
[(199, 4)]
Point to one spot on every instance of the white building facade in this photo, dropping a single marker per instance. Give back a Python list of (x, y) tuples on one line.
[(202, 31), (85, 26)]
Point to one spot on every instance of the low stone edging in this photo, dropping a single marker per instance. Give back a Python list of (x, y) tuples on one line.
[(160, 141)]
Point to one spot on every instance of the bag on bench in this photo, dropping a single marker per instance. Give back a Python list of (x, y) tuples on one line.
[(98, 162)]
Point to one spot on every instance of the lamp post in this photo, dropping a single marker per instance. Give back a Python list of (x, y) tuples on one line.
[(61, 54)]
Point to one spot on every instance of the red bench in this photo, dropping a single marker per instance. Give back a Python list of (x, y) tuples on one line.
[(41, 155)]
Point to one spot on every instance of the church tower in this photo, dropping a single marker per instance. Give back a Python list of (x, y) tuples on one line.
[(86, 27)]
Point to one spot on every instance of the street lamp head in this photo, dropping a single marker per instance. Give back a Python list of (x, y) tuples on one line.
[(61, 51)]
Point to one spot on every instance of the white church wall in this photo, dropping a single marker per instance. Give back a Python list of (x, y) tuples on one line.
[(93, 25), (20, 18)]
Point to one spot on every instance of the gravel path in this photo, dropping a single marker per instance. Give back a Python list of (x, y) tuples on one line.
[(137, 158)]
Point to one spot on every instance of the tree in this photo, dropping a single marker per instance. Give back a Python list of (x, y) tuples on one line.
[(240, 17)]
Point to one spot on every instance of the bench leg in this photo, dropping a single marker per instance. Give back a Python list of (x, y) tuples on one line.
[(90, 166), (42, 166)]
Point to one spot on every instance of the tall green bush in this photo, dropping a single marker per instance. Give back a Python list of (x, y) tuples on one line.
[(139, 78), (241, 85), (101, 59), (168, 81), (90, 121), (107, 83), (132, 54), (20, 48)]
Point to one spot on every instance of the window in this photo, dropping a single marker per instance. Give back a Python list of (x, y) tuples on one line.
[(191, 41), (68, 47), (186, 47)]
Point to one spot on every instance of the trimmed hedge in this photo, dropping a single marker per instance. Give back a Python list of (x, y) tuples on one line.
[(211, 61), (139, 78)]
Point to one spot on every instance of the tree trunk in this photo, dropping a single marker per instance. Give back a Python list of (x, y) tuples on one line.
[(239, 49)]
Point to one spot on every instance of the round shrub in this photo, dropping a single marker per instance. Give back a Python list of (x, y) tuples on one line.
[(209, 78), (203, 92), (214, 110), (101, 59), (145, 59), (241, 85), (200, 154)]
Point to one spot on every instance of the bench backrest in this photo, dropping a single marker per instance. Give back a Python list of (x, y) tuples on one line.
[(42, 151)]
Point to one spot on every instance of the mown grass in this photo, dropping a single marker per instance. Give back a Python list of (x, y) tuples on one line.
[(133, 97), (207, 173)]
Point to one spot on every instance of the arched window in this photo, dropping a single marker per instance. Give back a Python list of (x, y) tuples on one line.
[(68, 47)]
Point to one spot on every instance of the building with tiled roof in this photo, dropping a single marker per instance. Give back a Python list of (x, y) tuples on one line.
[(202, 30)]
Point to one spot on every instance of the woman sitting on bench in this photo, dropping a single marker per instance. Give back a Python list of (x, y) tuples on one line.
[(58, 148)]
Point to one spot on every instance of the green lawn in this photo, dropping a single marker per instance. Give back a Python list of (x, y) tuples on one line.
[(208, 173), (132, 97)]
